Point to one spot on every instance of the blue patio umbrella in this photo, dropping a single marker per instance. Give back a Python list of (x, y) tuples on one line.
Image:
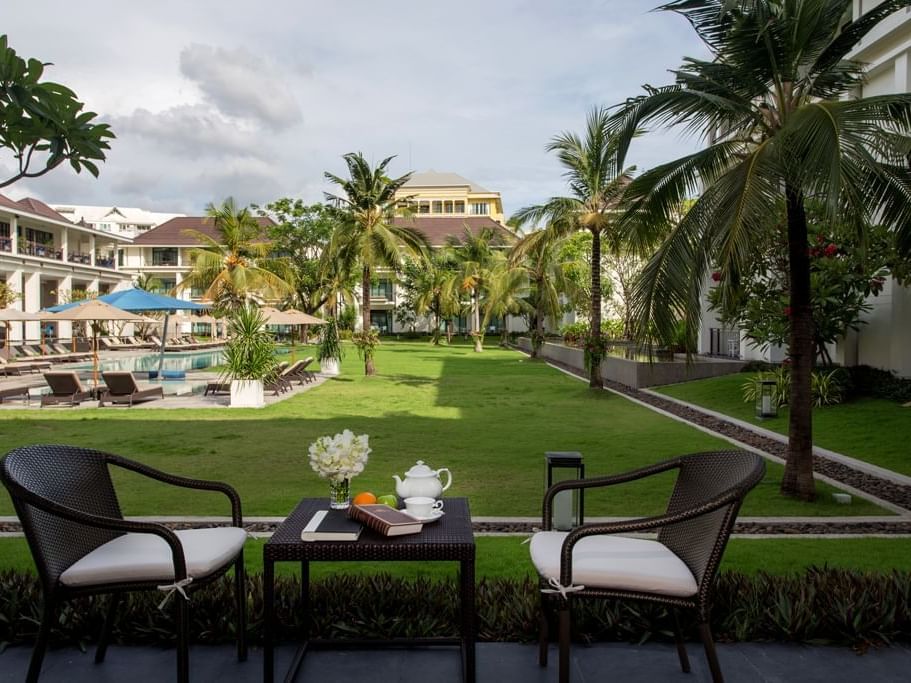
[(139, 301)]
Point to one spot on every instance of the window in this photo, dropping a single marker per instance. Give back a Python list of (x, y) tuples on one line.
[(460, 206), (120, 257), (164, 256), (423, 207), (165, 286), (479, 208), (4, 229), (381, 289), (437, 206), (381, 321), (447, 206)]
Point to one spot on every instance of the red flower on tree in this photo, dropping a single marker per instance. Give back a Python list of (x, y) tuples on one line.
[(787, 311), (716, 276), (831, 250)]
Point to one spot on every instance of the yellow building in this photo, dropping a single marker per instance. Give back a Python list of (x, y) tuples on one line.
[(449, 195)]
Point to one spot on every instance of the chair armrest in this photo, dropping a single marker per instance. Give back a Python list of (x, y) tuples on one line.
[(635, 525), (599, 482), (113, 524), (185, 482)]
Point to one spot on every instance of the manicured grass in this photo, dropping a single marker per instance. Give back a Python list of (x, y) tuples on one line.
[(488, 417), (507, 557), (873, 430)]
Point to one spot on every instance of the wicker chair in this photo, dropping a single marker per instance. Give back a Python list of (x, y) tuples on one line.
[(676, 570), (81, 544)]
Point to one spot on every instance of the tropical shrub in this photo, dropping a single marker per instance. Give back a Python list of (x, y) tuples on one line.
[(820, 605), (329, 346), (366, 342), (250, 352), (575, 334), (829, 387), (877, 383)]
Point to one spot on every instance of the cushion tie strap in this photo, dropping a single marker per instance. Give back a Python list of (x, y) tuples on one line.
[(176, 587), (558, 587), (534, 530)]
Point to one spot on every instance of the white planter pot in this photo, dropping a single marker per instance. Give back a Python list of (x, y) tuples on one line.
[(330, 366), (247, 393)]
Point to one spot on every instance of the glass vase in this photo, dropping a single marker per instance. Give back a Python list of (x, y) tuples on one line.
[(339, 494)]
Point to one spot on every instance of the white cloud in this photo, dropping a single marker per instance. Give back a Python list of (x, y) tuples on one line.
[(240, 84), (258, 99)]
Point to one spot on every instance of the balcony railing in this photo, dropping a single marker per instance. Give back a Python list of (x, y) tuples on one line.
[(6, 244), (40, 250), (103, 262), (76, 257), (160, 261)]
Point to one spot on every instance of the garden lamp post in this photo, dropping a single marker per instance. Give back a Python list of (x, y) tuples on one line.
[(766, 405), (568, 510)]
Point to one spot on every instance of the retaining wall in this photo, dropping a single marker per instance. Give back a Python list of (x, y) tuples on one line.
[(639, 374)]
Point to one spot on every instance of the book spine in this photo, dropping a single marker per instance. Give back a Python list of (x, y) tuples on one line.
[(368, 520)]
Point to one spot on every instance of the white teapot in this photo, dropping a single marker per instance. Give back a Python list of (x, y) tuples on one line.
[(420, 480)]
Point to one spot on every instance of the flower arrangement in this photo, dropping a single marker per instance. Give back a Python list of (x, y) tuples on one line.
[(339, 457)]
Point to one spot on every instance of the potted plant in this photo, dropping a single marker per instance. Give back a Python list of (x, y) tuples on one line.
[(330, 349), (249, 358)]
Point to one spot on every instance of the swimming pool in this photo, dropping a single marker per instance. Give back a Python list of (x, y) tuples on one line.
[(194, 360)]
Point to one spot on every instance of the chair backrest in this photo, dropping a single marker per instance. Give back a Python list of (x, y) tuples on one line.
[(120, 383), (75, 477), (701, 477), (64, 383), (59, 348), (307, 361), (293, 368)]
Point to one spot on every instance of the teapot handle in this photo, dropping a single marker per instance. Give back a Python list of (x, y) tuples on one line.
[(448, 477)]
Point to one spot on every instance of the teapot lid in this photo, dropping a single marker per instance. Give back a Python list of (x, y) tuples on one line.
[(420, 470)]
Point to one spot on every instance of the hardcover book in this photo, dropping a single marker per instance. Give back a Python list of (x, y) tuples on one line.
[(331, 525), (385, 520)]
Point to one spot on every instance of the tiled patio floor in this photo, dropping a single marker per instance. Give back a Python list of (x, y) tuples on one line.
[(498, 662)]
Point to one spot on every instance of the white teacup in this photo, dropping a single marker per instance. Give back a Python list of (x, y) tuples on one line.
[(422, 506)]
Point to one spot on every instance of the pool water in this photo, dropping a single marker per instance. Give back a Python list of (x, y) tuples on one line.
[(199, 360)]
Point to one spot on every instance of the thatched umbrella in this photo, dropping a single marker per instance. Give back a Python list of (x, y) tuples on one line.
[(94, 311), (11, 315)]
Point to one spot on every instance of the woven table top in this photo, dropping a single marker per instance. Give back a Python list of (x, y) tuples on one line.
[(450, 538)]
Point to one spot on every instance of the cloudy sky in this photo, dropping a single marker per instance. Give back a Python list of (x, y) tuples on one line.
[(211, 98)]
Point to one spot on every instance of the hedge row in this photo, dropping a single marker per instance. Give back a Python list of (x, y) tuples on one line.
[(820, 605)]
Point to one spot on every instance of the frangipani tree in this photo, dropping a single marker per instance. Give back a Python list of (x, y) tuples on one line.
[(775, 106)]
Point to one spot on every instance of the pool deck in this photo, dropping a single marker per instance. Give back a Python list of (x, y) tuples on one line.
[(187, 400)]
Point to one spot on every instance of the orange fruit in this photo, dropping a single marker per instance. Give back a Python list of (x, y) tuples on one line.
[(364, 498)]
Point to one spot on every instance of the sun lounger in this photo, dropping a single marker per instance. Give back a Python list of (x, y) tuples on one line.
[(216, 388), (65, 389), (68, 356), (123, 390), (14, 392)]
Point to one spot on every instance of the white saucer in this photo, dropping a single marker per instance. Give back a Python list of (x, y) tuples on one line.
[(427, 520)]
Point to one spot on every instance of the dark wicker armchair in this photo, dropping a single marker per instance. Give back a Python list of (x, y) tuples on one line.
[(677, 569), (81, 544)]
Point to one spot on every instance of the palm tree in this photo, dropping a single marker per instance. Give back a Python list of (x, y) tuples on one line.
[(147, 282), (778, 135), (476, 256), (596, 182), (537, 255), (507, 294), (367, 237), (433, 282), (235, 267)]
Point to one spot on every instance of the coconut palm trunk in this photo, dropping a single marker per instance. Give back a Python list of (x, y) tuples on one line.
[(594, 372), (538, 340), (476, 319), (798, 472), (369, 367)]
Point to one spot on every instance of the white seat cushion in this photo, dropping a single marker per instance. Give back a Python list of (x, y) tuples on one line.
[(145, 557), (618, 562)]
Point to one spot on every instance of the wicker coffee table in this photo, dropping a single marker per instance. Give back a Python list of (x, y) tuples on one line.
[(448, 540)]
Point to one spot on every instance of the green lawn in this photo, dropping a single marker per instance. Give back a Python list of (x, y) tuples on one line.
[(507, 557), (873, 430), (488, 417)]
